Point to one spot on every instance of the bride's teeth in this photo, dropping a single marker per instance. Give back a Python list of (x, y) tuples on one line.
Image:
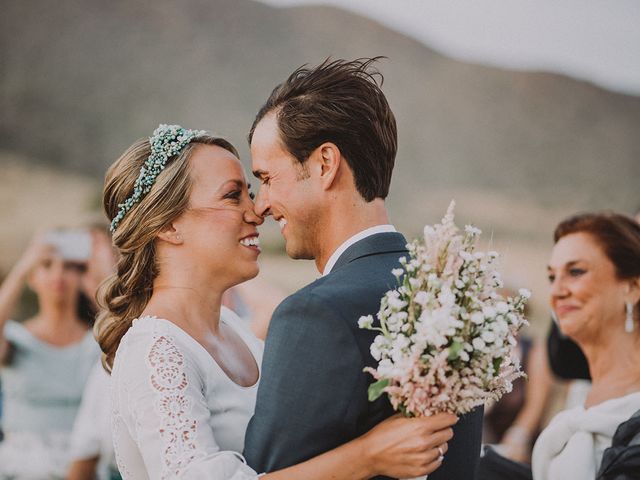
[(250, 242), (282, 223)]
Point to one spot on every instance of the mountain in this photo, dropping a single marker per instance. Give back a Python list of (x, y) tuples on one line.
[(81, 79)]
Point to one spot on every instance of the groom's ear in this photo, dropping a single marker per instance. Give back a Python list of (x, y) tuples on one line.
[(171, 234), (329, 161)]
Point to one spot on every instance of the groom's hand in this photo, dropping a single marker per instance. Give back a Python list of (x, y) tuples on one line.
[(409, 447)]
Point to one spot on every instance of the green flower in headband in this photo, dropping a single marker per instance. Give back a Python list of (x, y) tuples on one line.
[(166, 141)]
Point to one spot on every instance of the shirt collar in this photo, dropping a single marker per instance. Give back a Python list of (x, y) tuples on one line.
[(350, 241)]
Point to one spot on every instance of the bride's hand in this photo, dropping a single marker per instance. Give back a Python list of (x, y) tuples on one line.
[(408, 447)]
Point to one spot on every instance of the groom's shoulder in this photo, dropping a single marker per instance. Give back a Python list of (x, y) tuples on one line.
[(364, 280), (311, 296)]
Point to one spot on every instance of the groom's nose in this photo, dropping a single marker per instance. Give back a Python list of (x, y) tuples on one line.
[(262, 206)]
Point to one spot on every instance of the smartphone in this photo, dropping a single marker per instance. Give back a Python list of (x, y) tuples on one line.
[(72, 245)]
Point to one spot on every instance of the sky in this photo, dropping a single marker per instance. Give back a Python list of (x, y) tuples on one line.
[(593, 40)]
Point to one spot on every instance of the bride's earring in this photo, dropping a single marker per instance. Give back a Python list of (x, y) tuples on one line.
[(628, 323)]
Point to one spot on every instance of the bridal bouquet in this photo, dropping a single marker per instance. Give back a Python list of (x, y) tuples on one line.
[(447, 337)]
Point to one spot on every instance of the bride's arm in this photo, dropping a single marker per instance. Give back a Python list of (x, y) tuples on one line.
[(398, 447), (160, 394)]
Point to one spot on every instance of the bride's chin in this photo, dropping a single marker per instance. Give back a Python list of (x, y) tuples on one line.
[(248, 274)]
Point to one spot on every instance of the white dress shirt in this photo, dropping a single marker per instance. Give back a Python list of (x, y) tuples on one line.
[(350, 241)]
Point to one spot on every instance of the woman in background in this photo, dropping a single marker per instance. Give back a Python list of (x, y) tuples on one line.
[(594, 272), (45, 362), (91, 445)]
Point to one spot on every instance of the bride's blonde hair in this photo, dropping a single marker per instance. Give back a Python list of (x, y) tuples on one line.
[(125, 294)]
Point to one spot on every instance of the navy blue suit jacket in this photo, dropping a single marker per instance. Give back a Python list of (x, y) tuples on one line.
[(313, 392)]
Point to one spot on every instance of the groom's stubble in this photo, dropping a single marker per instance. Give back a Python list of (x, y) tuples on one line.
[(288, 192)]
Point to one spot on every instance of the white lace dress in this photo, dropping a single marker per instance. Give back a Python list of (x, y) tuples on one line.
[(176, 414)]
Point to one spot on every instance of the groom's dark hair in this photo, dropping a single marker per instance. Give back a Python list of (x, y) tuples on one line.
[(340, 102)]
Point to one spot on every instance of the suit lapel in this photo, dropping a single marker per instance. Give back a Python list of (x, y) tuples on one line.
[(379, 243)]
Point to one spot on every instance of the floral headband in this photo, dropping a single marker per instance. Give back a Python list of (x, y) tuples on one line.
[(166, 141)]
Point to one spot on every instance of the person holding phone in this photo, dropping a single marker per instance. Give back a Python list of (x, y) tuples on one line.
[(45, 360)]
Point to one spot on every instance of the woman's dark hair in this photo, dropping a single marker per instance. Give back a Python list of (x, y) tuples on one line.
[(340, 102)]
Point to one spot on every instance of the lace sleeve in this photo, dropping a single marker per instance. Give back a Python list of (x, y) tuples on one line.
[(170, 416)]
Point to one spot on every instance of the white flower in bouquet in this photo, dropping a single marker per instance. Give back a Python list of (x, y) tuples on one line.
[(447, 337)]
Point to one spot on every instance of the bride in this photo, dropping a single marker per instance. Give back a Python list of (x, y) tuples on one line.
[(184, 369)]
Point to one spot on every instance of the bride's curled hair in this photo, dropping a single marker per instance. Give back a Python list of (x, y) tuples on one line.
[(125, 294)]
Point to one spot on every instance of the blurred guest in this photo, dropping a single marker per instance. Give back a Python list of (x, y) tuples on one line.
[(595, 294), (91, 445), (45, 361), (565, 356), (515, 421), (594, 272), (91, 448)]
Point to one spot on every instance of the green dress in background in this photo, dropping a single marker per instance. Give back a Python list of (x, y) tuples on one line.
[(42, 388)]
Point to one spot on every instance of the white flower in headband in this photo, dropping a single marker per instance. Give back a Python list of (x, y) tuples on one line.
[(166, 141)]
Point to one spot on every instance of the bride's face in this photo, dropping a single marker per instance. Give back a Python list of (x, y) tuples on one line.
[(219, 229)]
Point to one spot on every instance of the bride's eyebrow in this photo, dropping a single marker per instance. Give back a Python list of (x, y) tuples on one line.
[(238, 183)]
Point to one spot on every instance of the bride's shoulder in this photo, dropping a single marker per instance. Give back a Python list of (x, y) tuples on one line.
[(145, 328), (151, 339)]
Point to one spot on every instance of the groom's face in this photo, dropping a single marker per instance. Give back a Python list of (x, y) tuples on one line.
[(288, 191)]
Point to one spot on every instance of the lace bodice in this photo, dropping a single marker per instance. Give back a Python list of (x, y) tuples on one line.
[(176, 414)]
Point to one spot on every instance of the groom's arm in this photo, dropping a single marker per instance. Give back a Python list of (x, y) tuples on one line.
[(309, 396)]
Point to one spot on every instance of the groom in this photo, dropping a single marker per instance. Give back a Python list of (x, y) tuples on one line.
[(323, 147)]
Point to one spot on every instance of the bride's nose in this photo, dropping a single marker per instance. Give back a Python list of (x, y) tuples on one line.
[(251, 217)]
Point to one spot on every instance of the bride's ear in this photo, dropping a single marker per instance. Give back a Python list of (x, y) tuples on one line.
[(171, 234)]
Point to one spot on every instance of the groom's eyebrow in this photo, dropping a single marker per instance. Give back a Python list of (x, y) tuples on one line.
[(259, 173)]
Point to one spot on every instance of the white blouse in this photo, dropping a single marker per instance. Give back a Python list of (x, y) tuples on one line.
[(176, 414), (572, 445)]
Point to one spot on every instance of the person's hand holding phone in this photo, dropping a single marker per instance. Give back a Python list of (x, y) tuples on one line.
[(38, 251)]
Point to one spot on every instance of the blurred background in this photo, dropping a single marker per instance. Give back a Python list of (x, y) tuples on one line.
[(521, 111)]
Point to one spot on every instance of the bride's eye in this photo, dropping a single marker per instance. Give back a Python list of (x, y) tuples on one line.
[(233, 195)]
